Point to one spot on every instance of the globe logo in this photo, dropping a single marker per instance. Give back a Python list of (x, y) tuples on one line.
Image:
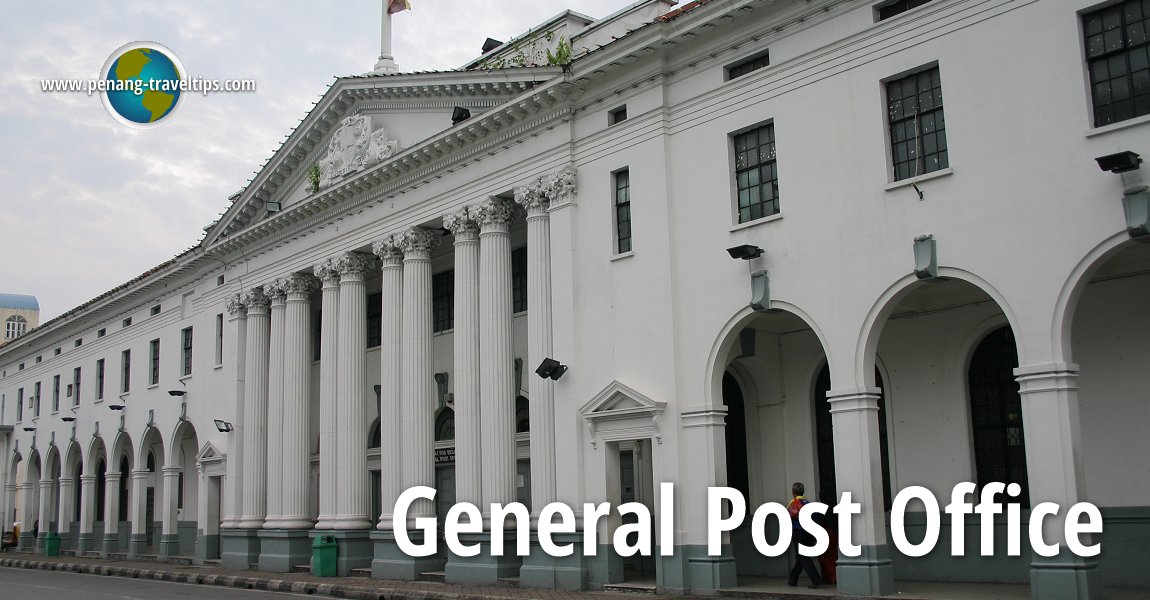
[(143, 82)]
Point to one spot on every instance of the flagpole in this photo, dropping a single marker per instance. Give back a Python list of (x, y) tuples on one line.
[(386, 63)]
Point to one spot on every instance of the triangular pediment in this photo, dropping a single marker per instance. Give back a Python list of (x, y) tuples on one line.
[(618, 398), (360, 123), (209, 453)]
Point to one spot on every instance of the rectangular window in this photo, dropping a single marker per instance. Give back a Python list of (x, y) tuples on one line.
[(374, 319), (126, 322), (154, 357), (56, 352), (622, 211), (187, 350), (20, 404), (443, 301), (756, 176), (219, 280), (20, 367), (519, 280), (155, 310), (752, 64), (68, 392), (100, 379), (1118, 53), (101, 333), (39, 359), (917, 126), (76, 385), (125, 371), (890, 9), (317, 335), (617, 115), (56, 393), (78, 342), (219, 339), (36, 400)]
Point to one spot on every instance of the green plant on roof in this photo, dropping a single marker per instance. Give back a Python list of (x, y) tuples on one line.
[(313, 177)]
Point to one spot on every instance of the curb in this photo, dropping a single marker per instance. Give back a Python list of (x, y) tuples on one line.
[(335, 590)]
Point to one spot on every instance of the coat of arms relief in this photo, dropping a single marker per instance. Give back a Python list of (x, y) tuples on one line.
[(354, 146)]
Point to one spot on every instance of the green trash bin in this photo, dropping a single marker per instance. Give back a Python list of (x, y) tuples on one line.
[(52, 544), (323, 556)]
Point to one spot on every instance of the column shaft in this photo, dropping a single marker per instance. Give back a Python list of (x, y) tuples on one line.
[(468, 455), (65, 507), (275, 408), (417, 379), (328, 390), (390, 357), (139, 502), (46, 505), (111, 511), (233, 501), (255, 411), (353, 500), (296, 463), (169, 515), (87, 504)]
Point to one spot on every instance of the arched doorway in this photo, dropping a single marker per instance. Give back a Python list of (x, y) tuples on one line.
[(825, 440), (996, 425)]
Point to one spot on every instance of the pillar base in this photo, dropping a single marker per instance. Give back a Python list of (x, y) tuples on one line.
[(541, 570), (110, 545), (868, 574), (169, 544), (484, 569), (138, 544), (207, 546), (283, 549), (689, 571), (240, 548), (85, 543), (390, 562), (353, 549), (1064, 577)]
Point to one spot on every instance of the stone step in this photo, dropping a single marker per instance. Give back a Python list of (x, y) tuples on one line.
[(439, 576), (507, 582), (366, 572), (630, 588), (301, 568)]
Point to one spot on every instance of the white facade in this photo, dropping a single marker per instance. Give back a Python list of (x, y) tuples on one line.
[(1030, 235)]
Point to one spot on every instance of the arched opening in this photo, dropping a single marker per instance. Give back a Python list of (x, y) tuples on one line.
[(101, 488), (825, 440), (374, 467), (444, 460), (125, 481), (738, 476), (996, 413)]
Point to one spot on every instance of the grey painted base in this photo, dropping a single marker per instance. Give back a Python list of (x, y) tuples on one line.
[(282, 549), (354, 549), (1064, 577), (389, 562), (207, 547), (871, 573), (484, 569), (138, 544), (85, 543), (239, 548), (541, 570), (169, 544), (110, 544)]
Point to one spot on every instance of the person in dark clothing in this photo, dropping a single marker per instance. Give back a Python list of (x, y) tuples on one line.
[(801, 536)]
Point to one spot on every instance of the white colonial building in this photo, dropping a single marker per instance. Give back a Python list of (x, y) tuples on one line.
[(939, 284)]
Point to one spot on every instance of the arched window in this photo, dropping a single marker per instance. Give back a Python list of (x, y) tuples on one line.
[(736, 436), (996, 413), (77, 491), (151, 462), (14, 327), (445, 425), (825, 439), (522, 415), (374, 435)]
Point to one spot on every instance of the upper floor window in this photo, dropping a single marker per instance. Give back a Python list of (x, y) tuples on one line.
[(100, 379), (155, 310), (443, 301), (187, 350), (36, 400), (890, 9), (154, 375), (15, 326), (519, 280), (1118, 53), (101, 332), (125, 371), (55, 393), (20, 404), (219, 338), (374, 319), (622, 211), (751, 64), (617, 115), (756, 176), (76, 385), (917, 127)]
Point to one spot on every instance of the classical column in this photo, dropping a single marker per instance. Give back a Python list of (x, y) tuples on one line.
[(111, 541), (1049, 394), (31, 512), (417, 379), (46, 505), (854, 416), (88, 492), (497, 368), (539, 340), (255, 430), (169, 514), (354, 500), (468, 455), (275, 406), (138, 542), (296, 462), (328, 389), (65, 508), (233, 502), (390, 356)]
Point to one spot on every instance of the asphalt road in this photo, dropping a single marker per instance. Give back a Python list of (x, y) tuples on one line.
[(25, 584)]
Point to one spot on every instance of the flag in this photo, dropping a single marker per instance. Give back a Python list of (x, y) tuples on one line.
[(394, 6)]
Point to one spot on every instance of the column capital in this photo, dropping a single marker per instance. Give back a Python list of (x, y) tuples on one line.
[(171, 471), (854, 399), (532, 199), (493, 214), (256, 301), (417, 242), (559, 188), (327, 272), (1052, 377), (275, 292), (461, 226), (141, 474), (298, 285), (389, 253), (235, 307), (86, 479), (353, 265)]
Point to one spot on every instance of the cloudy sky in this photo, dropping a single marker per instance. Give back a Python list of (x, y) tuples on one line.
[(87, 203)]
